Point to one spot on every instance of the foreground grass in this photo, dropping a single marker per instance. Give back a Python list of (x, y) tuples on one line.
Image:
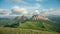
[(5, 30)]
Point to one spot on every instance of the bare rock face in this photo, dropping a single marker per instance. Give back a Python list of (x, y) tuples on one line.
[(34, 17), (38, 17), (21, 17)]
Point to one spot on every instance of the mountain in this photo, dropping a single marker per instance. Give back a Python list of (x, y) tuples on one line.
[(56, 19), (39, 17), (21, 17), (4, 18), (37, 22), (38, 25)]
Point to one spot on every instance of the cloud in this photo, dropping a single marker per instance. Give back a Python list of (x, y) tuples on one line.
[(15, 1), (57, 11), (37, 5), (19, 11), (34, 12), (20, 1), (51, 11), (48, 10), (37, 12), (25, 12), (4, 12), (38, 0)]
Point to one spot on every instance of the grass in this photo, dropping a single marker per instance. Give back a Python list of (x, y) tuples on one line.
[(6, 30), (37, 25)]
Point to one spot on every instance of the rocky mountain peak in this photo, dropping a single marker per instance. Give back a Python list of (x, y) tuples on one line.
[(39, 17)]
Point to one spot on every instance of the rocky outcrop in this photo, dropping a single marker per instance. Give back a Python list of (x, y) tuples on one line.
[(39, 17), (21, 17)]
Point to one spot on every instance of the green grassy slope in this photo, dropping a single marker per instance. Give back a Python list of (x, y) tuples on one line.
[(38, 25), (4, 30), (41, 25)]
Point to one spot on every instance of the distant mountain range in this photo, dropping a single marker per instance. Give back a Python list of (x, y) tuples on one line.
[(55, 18), (35, 22)]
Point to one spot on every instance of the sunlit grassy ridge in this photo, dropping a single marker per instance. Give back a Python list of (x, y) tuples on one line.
[(4, 30), (28, 27), (38, 25)]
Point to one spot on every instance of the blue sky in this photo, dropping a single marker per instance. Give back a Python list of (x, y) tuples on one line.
[(30, 5)]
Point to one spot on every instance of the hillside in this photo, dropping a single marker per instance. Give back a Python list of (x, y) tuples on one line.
[(35, 23), (4, 30), (38, 25), (56, 19)]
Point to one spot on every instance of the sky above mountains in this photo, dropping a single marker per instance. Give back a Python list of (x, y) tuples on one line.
[(29, 7)]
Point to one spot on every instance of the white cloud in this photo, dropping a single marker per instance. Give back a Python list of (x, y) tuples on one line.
[(57, 11), (25, 12), (4, 12), (19, 11), (34, 12), (37, 11), (50, 11), (37, 5), (15, 1), (20, 1), (39, 0)]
